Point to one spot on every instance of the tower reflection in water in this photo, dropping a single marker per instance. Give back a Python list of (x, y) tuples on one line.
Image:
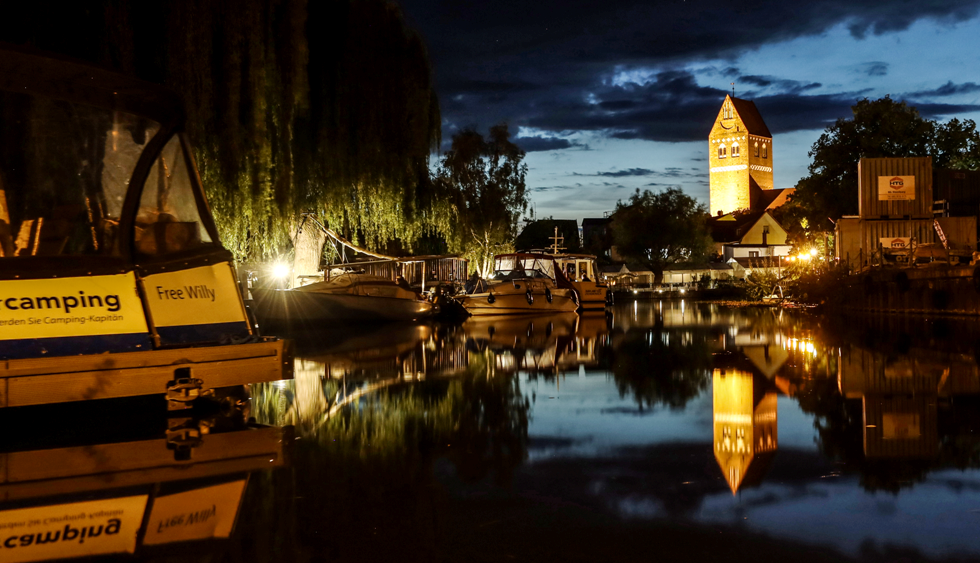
[(745, 428)]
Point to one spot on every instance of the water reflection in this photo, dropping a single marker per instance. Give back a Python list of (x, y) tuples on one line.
[(745, 422), (565, 436), (132, 480)]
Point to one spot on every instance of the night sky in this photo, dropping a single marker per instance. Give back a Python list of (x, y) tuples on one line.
[(609, 96)]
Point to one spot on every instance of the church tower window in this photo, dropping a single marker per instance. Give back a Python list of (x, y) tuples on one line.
[(757, 150), (735, 150), (722, 152), (765, 152)]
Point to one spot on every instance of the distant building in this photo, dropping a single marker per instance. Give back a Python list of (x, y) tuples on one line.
[(540, 235), (750, 234), (596, 235), (741, 160)]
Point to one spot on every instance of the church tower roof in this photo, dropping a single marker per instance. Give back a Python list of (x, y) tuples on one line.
[(751, 117)]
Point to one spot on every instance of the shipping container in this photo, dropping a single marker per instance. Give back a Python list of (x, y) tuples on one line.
[(895, 188), (900, 426), (958, 189), (856, 239), (961, 232)]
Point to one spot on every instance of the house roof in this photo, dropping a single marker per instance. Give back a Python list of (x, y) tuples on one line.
[(751, 117), (614, 269), (732, 227), (780, 198)]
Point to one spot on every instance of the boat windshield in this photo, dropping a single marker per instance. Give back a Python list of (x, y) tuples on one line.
[(64, 172), (523, 266), (577, 269)]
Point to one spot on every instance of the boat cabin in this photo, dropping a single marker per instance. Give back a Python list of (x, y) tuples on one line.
[(113, 281), (577, 267), (523, 265)]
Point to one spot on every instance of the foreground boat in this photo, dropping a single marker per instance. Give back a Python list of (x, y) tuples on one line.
[(521, 284), (113, 279), (348, 297)]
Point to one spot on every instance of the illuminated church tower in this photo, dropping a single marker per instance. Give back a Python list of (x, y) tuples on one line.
[(745, 436), (740, 157)]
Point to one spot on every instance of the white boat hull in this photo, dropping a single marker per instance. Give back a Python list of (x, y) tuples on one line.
[(277, 306), (509, 298)]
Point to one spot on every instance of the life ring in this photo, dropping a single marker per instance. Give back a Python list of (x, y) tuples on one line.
[(547, 294), (491, 298), (530, 298)]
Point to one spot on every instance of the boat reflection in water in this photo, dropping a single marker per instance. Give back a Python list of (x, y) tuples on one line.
[(680, 419), (128, 481)]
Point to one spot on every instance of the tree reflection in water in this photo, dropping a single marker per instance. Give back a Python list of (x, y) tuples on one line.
[(891, 400), (369, 458)]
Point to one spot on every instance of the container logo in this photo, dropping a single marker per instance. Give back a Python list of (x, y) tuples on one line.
[(895, 242), (896, 188)]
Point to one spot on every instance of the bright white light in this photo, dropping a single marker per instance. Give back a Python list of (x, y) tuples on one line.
[(634, 291), (682, 292), (813, 252), (280, 270)]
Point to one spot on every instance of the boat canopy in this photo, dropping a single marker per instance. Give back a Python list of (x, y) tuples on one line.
[(524, 265), (93, 179)]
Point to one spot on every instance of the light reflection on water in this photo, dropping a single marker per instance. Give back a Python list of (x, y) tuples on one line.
[(848, 435)]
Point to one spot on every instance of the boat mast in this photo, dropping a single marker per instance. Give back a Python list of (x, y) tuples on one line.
[(556, 242)]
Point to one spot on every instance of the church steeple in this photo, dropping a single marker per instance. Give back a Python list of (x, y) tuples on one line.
[(740, 157)]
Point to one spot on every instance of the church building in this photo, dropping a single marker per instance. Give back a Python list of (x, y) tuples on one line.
[(741, 160)]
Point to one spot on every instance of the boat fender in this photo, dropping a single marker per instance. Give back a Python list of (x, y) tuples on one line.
[(547, 294), (530, 298), (491, 298)]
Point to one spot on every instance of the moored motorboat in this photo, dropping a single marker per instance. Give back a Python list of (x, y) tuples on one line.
[(347, 297), (581, 272), (522, 283), (114, 280)]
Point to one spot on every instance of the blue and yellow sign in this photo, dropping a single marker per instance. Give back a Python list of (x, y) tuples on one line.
[(196, 305), (71, 316)]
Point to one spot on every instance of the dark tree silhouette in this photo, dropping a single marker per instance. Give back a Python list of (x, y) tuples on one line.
[(879, 128), (293, 105), (658, 230)]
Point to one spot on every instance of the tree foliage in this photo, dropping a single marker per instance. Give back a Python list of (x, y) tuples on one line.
[(483, 181), (661, 229), (292, 105), (879, 128)]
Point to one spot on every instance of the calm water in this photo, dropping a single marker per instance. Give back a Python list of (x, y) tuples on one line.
[(662, 431)]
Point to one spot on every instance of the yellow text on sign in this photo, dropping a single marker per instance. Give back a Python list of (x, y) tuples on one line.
[(896, 188), (205, 295), (66, 307), (194, 515), (71, 530)]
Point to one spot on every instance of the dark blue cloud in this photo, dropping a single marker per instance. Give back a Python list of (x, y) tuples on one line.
[(536, 144), (948, 89), (536, 63)]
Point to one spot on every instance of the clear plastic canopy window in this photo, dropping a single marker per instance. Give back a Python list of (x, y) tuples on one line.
[(527, 264), (64, 172)]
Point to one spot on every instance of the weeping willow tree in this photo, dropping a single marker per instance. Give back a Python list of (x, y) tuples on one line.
[(293, 106)]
